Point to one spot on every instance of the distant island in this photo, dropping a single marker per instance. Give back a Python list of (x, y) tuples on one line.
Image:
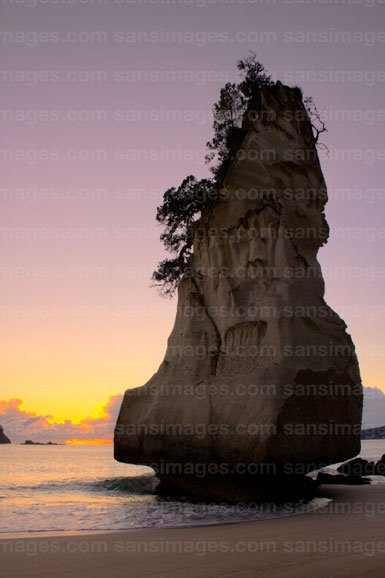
[(3, 438), (32, 443), (374, 433)]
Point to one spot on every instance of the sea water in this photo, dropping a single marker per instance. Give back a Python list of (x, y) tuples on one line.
[(71, 489)]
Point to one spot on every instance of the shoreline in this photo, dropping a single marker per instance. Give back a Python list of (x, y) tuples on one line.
[(344, 538), (69, 533)]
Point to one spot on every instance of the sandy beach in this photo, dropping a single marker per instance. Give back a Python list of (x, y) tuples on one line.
[(345, 538)]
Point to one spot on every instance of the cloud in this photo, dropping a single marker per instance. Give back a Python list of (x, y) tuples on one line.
[(20, 424)]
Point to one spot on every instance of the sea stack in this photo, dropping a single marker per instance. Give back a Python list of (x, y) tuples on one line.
[(3, 438), (260, 383)]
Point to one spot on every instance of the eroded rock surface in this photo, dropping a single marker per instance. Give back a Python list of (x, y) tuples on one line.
[(260, 375)]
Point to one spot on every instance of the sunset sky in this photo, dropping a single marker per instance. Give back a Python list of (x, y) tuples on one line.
[(95, 128)]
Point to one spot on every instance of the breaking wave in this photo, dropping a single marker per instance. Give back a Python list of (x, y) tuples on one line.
[(144, 484)]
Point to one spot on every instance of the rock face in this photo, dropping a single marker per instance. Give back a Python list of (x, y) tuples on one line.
[(3, 438), (260, 377)]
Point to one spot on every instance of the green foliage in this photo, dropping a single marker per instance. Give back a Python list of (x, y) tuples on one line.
[(298, 91), (228, 114), (181, 207), (253, 75), (169, 272), (229, 110)]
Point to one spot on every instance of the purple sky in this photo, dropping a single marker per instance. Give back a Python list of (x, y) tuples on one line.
[(103, 109)]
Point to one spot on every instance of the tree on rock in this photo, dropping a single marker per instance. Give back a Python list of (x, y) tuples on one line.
[(183, 206), (229, 111), (180, 209)]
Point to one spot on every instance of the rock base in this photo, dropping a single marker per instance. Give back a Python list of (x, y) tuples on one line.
[(238, 490)]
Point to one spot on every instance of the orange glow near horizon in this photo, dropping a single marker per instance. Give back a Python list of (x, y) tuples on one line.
[(88, 442), (66, 380)]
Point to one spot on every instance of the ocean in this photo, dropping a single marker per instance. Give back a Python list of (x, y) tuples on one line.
[(81, 488)]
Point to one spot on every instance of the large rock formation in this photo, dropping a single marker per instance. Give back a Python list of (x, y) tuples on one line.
[(260, 377), (3, 438)]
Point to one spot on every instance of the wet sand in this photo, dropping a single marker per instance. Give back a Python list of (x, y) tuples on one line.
[(345, 538)]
